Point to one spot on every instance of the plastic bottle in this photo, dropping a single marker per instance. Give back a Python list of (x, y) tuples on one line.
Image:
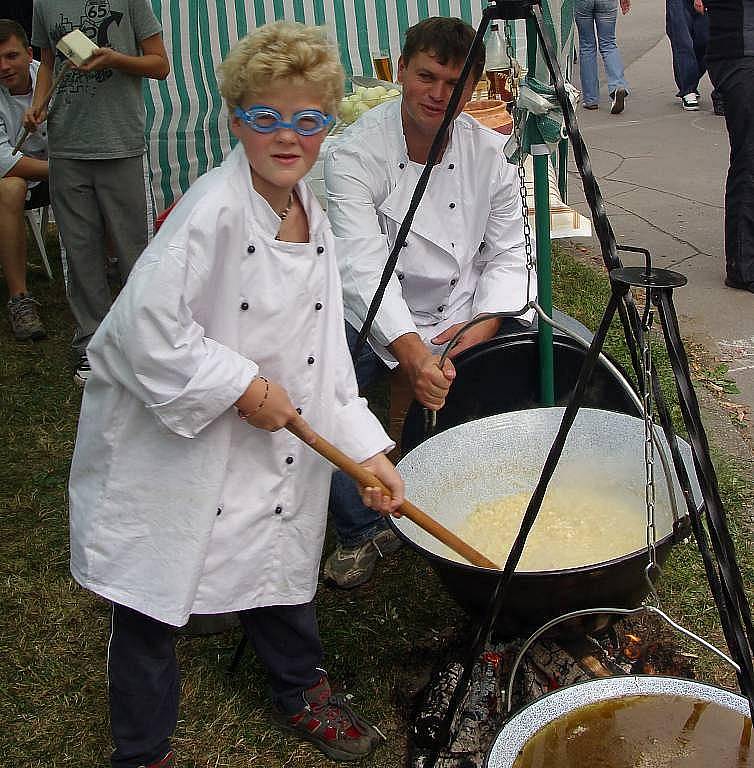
[(496, 66)]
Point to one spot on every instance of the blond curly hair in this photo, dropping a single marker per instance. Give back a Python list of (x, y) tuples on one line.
[(282, 52)]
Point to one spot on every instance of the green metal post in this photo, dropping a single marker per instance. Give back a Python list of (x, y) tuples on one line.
[(541, 160), (544, 273)]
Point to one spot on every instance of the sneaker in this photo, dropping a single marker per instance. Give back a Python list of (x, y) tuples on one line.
[(167, 762), (83, 371), (349, 567), (591, 106), (24, 318), (690, 102), (618, 101), (331, 725)]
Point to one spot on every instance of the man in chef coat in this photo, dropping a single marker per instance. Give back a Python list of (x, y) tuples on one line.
[(464, 256)]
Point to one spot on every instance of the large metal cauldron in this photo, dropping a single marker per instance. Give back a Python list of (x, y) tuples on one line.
[(552, 706), (449, 474)]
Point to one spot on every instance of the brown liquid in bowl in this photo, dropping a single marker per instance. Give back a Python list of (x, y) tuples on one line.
[(643, 732)]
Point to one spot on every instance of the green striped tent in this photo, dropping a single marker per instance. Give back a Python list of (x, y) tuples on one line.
[(187, 129)]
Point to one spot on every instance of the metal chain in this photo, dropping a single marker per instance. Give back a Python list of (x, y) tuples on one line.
[(517, 133), (652, 570)]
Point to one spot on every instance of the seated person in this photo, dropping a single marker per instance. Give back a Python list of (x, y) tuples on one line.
[(23, 175), (177, 505), (465, 255)]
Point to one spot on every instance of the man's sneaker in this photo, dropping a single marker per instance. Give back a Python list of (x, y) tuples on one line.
[(331, 725), (83, 371), (24, 318), (349, 567), (167, 762), (618, 101), (690, 102), (591, 106)]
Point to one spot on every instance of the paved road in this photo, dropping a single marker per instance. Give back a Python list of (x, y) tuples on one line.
[(662, 173)]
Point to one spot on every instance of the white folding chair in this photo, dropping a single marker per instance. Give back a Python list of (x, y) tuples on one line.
[(38, 218)]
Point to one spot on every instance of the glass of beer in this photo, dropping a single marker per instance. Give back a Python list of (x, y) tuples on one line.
[(499, 84), (383, 65)]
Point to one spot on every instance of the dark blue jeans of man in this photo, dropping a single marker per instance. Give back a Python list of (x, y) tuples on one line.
[(734, 80), (688, 32)]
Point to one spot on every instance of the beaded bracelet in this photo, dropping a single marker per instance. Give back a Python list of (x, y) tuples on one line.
[(245, 416)]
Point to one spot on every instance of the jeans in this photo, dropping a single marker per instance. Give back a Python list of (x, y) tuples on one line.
[(688, 32), (734, 81), (354, 522), (600, 15)]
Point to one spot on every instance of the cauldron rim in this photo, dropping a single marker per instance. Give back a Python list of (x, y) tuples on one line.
[(544, 709)]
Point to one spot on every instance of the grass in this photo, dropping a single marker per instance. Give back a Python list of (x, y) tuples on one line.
[(377, 640)]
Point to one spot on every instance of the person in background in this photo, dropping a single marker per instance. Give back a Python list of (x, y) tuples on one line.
[(23, 175), (99, 180), (177, 505), (600, 15), (687, 26), (464, 257), (730, 56)]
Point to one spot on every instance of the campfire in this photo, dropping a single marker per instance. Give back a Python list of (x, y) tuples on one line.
[(551, 663)]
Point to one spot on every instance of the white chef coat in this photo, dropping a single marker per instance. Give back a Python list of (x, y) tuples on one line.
[(176, 506), (464, 254)]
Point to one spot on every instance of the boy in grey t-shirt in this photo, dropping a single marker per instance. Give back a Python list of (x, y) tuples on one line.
[(98, 179)]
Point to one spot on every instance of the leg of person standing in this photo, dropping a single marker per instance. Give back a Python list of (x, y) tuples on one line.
[(144, 687), (606, 17), (678, 26), (584, 11), (700, 36), (74, 201), (734, 79), (286, 640), (125, 199), (96, 200)]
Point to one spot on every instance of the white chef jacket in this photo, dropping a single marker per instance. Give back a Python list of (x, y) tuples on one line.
[(464, 254), (176, 506)]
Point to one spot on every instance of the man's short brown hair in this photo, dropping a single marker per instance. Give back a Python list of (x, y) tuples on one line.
[(447, 39), (10, 28)]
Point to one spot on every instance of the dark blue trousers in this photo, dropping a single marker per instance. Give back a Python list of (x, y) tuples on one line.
[(688, 32), (144, 681)]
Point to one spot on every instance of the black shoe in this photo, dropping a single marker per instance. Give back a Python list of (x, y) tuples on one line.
[(618, 100), (731, 283), (591, 106)]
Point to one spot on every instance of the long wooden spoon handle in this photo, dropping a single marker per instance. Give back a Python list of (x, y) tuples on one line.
[(364, 477)]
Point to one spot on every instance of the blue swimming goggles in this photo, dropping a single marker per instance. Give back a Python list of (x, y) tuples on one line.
[(262, 119)]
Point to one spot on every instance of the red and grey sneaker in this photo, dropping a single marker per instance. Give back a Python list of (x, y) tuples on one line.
[(331, 725), (167, 762)]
